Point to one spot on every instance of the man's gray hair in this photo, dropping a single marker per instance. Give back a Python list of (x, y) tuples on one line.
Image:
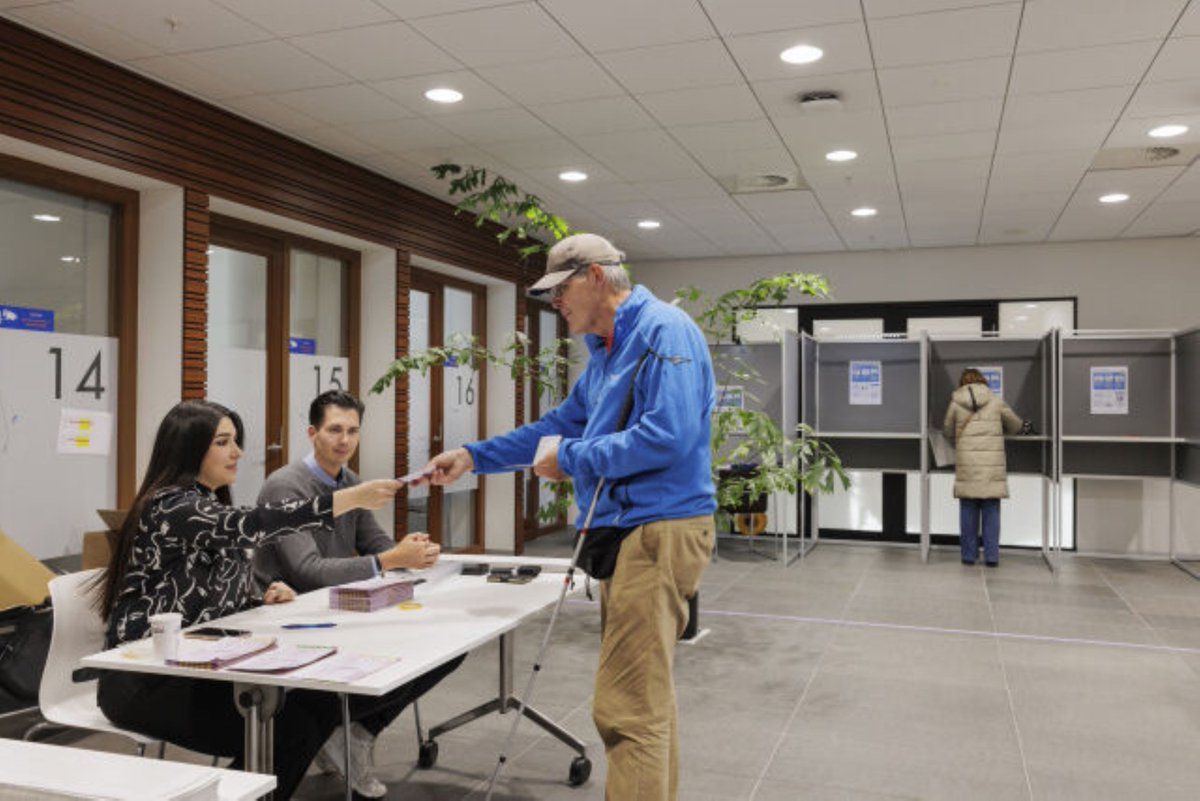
[(616, 276)]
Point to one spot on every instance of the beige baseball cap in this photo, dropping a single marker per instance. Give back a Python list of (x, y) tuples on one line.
[(573, 254)]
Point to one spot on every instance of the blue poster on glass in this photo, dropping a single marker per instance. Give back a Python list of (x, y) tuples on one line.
[(995, 379), (307, 347), (26, 319)]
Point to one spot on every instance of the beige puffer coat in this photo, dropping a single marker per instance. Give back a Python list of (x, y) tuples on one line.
[(977, 421)]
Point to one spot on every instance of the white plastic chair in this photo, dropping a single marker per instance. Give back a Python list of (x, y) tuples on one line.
[(78, 632)]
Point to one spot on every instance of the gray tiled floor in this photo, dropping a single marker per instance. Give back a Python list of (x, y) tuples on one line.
[(863, 674)]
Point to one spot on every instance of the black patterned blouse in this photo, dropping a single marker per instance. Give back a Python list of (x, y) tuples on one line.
[(192, 554)]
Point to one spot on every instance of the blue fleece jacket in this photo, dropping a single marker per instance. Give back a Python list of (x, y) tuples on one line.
[(659, 466)]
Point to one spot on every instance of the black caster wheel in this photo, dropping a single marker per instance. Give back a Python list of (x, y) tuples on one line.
[(581, 769), (428, 755)]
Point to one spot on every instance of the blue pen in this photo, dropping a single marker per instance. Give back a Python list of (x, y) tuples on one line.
[(309, 625)]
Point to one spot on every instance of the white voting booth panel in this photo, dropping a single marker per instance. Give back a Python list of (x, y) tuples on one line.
[(58, 459)]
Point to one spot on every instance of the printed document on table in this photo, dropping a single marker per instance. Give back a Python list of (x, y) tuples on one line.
[(284, 658), (343, 668)]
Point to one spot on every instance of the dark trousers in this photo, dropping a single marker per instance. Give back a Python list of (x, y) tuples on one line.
[(980, 516), (200, 715)]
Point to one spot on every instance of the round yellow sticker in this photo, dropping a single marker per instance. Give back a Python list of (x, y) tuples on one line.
[(410, 605)]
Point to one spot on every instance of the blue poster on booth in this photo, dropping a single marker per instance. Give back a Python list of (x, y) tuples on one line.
[(307, 347), (26, 319), (730, 396), (995, 379), (866, 383)]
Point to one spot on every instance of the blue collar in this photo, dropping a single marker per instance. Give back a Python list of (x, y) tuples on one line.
[(310, 461), (624, 319)]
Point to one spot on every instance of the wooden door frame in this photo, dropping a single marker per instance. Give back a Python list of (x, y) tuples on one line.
[(532, 528)]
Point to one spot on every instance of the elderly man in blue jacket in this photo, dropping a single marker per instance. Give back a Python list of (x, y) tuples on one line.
[(657, 484)]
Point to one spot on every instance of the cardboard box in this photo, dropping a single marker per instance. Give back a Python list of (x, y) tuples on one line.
[(97, 548), (23, 580)]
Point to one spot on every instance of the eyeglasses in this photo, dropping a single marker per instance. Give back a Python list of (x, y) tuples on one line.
[(561, 286)]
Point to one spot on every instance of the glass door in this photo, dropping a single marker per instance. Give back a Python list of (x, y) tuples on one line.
[(545, 329), (446, 408)]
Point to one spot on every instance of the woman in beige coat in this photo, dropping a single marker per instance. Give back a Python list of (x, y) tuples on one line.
[(977, 421)]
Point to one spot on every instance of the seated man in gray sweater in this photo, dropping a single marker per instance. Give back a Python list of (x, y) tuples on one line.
[(358, 549)]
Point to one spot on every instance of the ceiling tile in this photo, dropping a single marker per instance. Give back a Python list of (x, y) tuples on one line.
[(700, 187), (376, 52), (850, 188), (596, 116), (554, 152), (782, 207), (898, 8), (734, 17), (1003, 233), (723, 136), (297, 17), (703, 212), (845, 46), (942, 236), (943, 146), (556, 80), (1038, 172), (1143, 182), (1166, 219), (640, 155), (1054, 108), (1189, 24), (727, 164), (708, 104), (943, 36), (1030, 204), (499, 125), (343, 105), (806, 237), (413, 9), (1051, 138), (811, 137), (266, 67), (945, 118), (1064, 24), (626, 213), (338, 141), (450, 151), (1179, 60), (478, 94), (943, 176), (676, 66), (944, 83), (872, 233), (1134, 131), (1185, 188), (1084, 68), (857, 91), (180, 73), (1155, 99), (199, 24), (65, 23), (270, 112), (504, 35), (622, 24), (399, 135)]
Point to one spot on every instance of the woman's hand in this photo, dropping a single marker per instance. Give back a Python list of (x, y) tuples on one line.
[(367, 495), (278, 593)]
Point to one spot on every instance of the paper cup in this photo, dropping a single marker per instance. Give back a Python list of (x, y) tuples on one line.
[(164, 628)]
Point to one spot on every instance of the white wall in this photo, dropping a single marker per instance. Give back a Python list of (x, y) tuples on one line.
[(1136, 283), (499, 510), (377, 450), (160, 313)]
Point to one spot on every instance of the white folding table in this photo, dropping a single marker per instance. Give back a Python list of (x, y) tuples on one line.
[(457, 614)]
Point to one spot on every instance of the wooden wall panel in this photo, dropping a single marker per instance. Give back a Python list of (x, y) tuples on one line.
[(196, 230), (403, 285), (69, 100)]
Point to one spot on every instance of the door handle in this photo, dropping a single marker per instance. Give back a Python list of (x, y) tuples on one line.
[(275, 447)]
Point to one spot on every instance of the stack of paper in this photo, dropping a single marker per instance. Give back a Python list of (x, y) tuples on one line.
[(371, 594), (214, 654)]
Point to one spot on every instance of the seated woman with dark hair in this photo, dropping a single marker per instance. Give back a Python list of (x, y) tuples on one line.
[(185, 548)]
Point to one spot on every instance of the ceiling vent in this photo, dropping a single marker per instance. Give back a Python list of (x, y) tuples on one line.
[(824, 100), (766, 182), (1126, 158)]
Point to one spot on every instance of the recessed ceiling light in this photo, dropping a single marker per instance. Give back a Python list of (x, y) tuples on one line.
[(1167, 131), (841, 155), (69, 259), (802, 54), (444, 95), (865, 211), (649, 225), (47, 218), (1114, 197), (573, 176)]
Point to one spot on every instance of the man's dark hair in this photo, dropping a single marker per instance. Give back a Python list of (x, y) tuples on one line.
[(333, 397)]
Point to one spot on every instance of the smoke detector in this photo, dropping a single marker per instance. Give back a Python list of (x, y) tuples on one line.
[(765, 182), (823, 100)]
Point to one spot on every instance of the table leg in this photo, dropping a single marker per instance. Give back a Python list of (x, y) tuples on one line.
[(258, 705), (345, 698)]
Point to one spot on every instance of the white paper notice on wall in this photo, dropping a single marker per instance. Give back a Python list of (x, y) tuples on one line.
[(84, 432), (866, 383), (1110, 389)]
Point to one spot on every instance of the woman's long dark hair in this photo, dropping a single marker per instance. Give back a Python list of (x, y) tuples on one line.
[(183, 439)]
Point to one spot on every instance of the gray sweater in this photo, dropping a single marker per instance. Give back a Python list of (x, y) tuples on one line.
[(308, 561)]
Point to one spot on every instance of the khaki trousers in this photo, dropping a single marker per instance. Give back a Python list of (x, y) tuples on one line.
[(643, 611)]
